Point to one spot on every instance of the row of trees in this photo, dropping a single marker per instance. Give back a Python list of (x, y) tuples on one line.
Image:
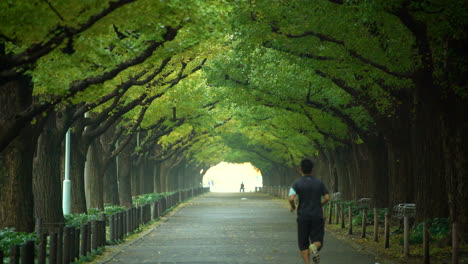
[(375, 90)]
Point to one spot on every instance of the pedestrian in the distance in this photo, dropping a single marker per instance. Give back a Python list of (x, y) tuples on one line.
[(242, 187), (312, 195)]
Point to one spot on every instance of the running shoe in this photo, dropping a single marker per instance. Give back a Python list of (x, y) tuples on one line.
[(315, 254)]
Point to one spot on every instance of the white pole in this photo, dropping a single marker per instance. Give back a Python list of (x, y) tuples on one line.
[(66, 201)]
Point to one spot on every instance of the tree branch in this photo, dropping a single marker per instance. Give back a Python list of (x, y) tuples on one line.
[(59, 33)]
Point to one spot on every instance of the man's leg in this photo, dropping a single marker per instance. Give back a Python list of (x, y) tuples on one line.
[(305, 256)]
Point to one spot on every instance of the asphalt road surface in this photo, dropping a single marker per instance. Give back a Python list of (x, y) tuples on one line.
[(224, 228)]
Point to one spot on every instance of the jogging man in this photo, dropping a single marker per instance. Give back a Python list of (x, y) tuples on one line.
[(310, 222)]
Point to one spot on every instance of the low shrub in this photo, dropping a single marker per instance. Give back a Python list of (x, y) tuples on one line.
[(9, 237)]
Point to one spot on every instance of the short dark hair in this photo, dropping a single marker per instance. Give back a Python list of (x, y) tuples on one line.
[(307, 165)]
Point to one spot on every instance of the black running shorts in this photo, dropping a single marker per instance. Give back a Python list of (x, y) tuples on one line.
[(309, 231)]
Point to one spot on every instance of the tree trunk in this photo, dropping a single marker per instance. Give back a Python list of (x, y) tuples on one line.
[(47, 174), (78, 150), (111, 189), (157, 177), (16, 160), (125, 188), (95, 176)]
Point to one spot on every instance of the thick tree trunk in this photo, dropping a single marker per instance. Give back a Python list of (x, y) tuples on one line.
[(125, 188), (78, 151), (16, 160), (400, 177), (111, 189), (95, 176), (135, 179), (47, 174), (157, 177)]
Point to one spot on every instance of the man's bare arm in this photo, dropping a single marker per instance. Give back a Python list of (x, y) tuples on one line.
[(292, 204), (325, 199)]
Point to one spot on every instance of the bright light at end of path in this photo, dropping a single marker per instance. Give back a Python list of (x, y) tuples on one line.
[(227, 177)]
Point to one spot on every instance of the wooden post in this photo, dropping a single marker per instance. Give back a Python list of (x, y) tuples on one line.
[(14, 255), (364, 221), (121, 226), (406, 236), (42, 248), (342, 217), (330, 213), (84, 239), (89, 234), (124, 223), (66, 246), (94, 234), (426, 242), (53, 249), (112, 227), (337, 213), (455, 257), (129, 221), (72, 244), (376, 225), (155, 210), (60, 245), (27, 252), (77, 243), (350, 219), (387, 230)]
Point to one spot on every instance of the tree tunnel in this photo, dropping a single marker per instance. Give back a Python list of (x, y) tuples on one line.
[(375, 93)]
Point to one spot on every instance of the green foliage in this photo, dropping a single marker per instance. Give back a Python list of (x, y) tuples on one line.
[(77, 220), (149, 198), (9, 237), (438, 228)]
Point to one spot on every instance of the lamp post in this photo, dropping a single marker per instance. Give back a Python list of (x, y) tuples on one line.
[(66, 201)]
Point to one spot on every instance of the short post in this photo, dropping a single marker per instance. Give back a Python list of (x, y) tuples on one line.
[(15, 255), (342, 217), (426, 259), (72, 244), (405, 211), (60, 244), (89, 234), (66, 246), (53, 249), (364, 223), (330, 212), (77, 243), (103, 229), (350, 219), (155, 210), (455, 257), (364, 204), (42, 248), (27, 252), (387, 230), (376, 225), (112, 227), (406, 235), (129, 220), (121, 226), (124, 223), (94, 234), (84, 239), (1, 256)]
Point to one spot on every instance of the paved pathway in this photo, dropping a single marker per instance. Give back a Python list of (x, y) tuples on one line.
[(230, 228)]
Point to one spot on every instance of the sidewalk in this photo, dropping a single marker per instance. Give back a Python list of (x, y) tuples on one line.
[(226, 228)]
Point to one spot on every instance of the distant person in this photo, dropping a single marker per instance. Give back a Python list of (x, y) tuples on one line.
[(310, 222), (242, 187)]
